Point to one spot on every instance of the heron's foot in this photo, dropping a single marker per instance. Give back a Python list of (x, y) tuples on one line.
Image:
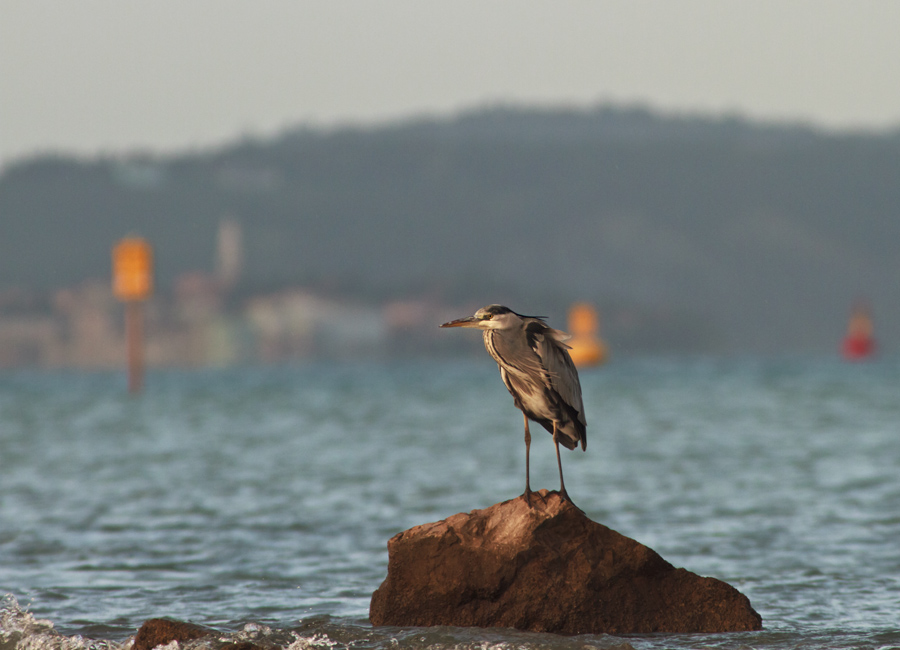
[(565, 497), (528, 495)]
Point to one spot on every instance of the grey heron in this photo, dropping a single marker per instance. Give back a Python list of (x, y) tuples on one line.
[(536, 368)]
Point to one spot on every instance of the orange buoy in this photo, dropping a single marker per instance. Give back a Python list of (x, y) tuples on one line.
[(587, 348)]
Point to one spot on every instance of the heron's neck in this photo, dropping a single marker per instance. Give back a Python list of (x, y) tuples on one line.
[(488, 336), (494, 339)]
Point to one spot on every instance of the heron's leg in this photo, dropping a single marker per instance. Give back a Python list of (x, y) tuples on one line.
[(562, 483), (527, 461)]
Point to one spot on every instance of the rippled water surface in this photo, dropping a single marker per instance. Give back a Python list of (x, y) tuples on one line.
[(260, 501)]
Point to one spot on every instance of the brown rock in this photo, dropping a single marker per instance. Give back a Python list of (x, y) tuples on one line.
[(546, 568), (160, 631)]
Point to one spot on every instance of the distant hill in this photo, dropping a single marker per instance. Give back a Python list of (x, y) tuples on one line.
[(745, 236)]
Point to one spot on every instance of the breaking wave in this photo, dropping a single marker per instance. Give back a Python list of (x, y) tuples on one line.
[(21, 630)]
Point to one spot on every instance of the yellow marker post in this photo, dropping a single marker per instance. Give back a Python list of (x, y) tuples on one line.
[(132, 261)]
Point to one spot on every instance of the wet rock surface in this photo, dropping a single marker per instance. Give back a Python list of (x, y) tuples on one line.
[(546, 568), (162, 631)]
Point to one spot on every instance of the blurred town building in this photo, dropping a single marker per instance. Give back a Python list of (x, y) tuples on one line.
[(198, 326)]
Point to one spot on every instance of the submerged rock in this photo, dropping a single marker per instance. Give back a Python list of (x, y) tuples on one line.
[(546, 568), (162, 631)]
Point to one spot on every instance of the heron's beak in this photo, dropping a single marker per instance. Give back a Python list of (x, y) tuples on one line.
[(469, 321)]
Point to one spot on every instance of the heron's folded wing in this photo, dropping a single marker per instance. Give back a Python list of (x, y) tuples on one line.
[(560, 369)]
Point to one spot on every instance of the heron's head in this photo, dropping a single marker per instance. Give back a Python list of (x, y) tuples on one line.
[(492, 317)]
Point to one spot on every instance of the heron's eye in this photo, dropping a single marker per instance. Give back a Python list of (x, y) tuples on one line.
[(487, 316)]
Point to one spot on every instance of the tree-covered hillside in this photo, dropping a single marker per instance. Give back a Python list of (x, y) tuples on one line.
[(756, 237)]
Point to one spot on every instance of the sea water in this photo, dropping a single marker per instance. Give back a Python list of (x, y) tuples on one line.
[(259, 501)]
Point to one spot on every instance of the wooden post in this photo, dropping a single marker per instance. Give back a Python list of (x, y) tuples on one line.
[(134, 336)]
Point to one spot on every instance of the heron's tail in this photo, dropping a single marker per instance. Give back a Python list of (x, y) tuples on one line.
[(572, 433)]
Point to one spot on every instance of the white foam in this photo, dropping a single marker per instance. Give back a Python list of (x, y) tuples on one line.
[(314, 642), (20, 629)]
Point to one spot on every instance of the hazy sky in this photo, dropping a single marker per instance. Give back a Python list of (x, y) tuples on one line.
[(118, 75)]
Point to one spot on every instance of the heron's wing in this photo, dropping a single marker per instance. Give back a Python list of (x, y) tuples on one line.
[(560, 371), (559, 336), (518, 354)]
